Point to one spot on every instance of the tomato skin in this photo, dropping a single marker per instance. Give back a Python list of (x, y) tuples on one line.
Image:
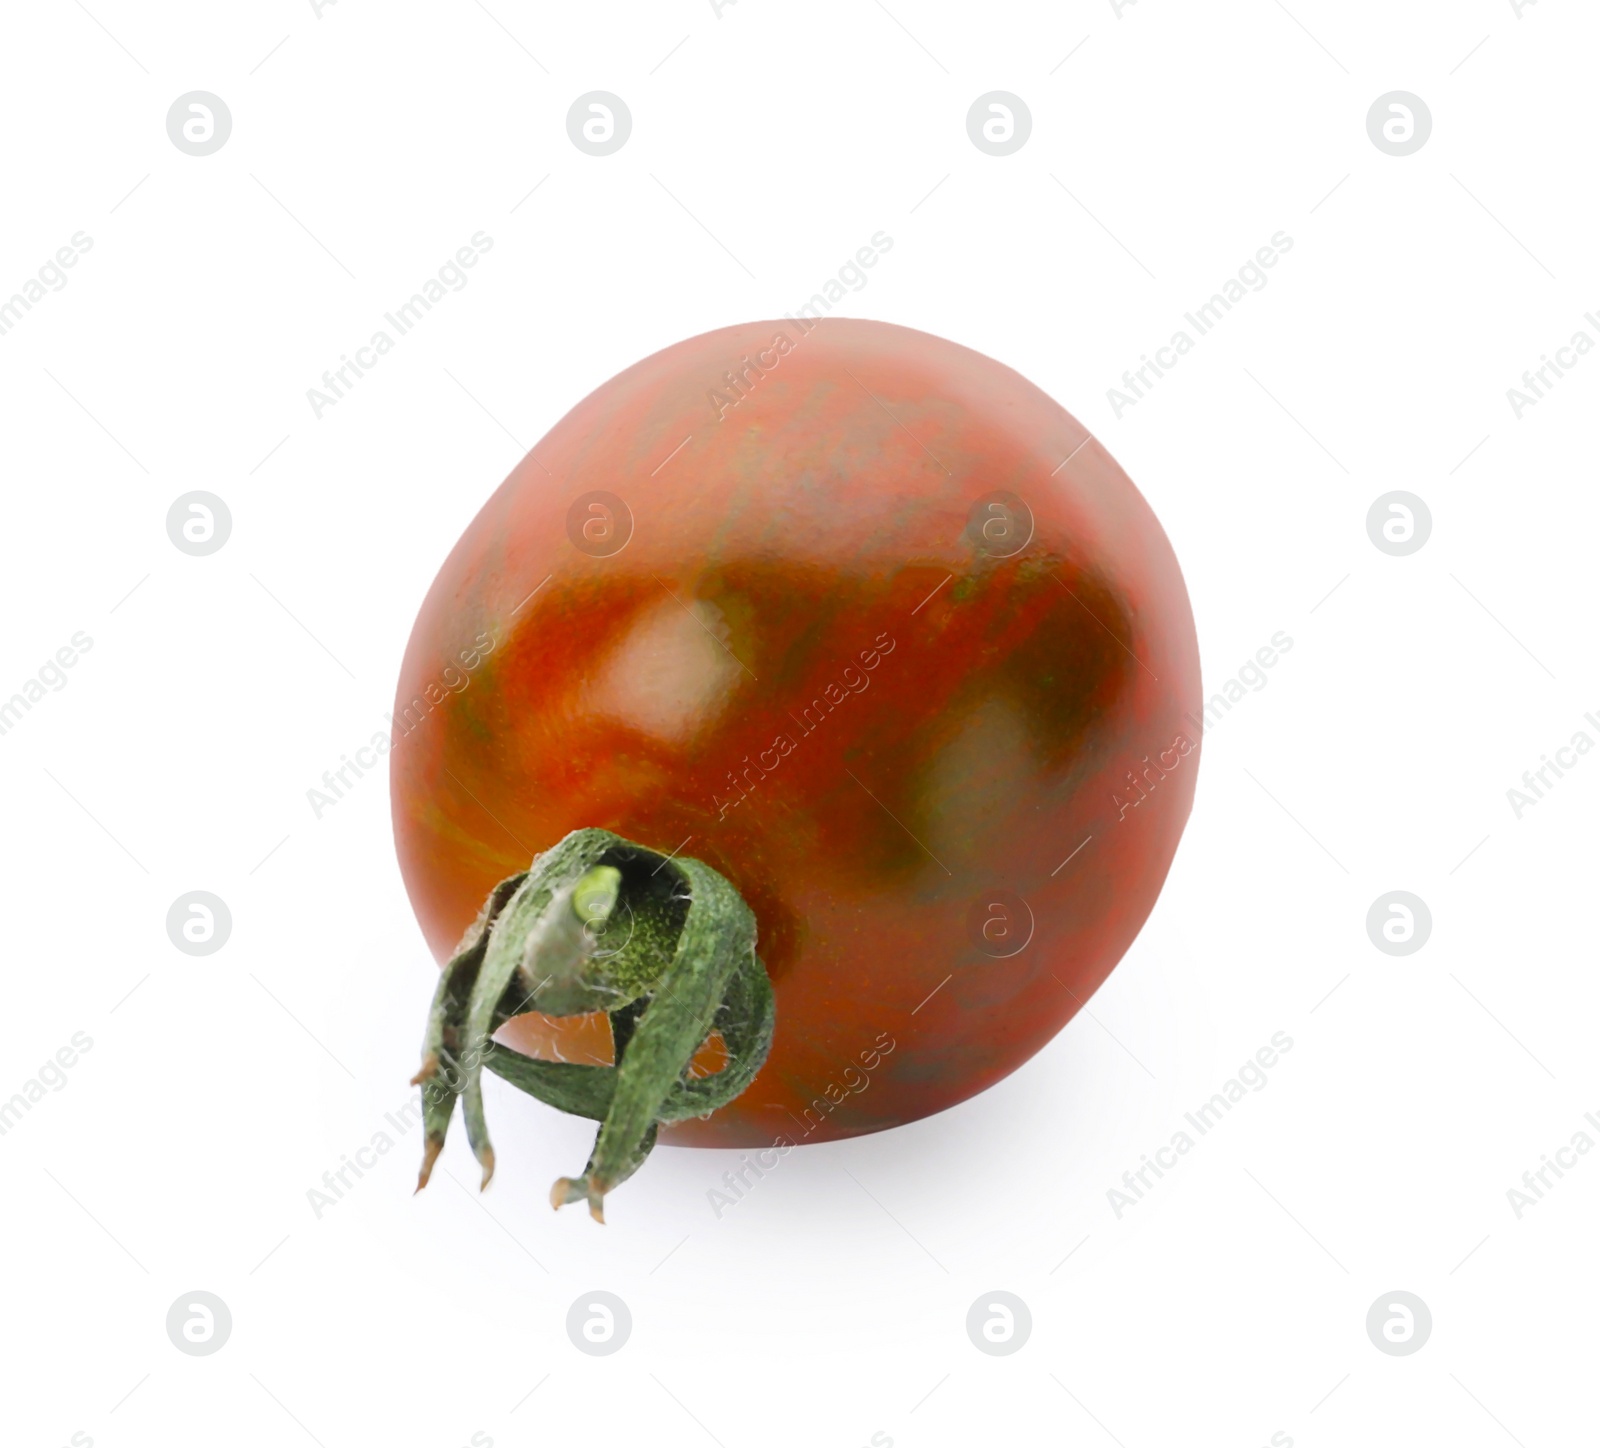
[(807, 667)]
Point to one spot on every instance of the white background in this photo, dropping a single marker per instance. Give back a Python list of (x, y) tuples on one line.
[(769, 143)]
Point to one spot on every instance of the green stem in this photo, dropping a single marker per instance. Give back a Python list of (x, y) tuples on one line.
[(665, 946)]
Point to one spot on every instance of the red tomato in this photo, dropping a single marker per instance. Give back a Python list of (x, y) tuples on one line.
[(866, 622)]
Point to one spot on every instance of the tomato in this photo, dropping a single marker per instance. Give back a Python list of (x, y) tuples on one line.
[(865, 622)]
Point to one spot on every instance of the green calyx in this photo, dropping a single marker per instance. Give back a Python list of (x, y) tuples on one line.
[(664, 946)]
